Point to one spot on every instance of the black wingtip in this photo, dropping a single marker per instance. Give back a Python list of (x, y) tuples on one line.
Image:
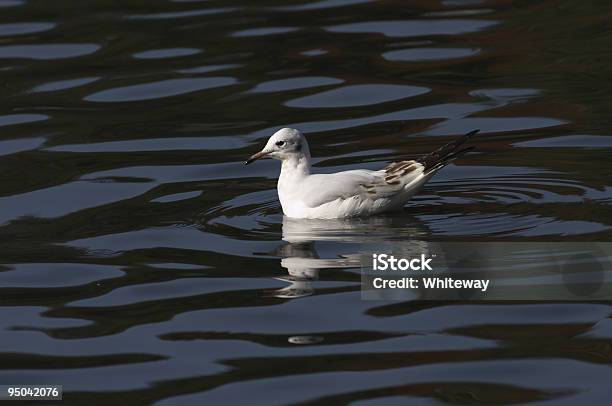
[(446, 153)]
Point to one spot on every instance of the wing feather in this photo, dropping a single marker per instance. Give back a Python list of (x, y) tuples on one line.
[(365, 184)]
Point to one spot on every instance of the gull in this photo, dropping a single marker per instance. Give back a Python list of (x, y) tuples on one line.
[(354, 193)]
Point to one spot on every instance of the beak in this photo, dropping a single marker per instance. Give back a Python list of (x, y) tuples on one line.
[(255, 157)]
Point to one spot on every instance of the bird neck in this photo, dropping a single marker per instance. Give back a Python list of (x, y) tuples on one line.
[(296, 166)]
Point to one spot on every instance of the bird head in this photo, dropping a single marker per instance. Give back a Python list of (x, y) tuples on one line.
[(283, 144)]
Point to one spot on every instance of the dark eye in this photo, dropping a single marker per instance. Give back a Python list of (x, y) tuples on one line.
[(280, 143)]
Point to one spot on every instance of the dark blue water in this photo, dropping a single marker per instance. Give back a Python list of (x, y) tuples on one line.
[(141, 262)]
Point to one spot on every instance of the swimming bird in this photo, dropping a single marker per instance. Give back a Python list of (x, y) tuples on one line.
[(354, 193)]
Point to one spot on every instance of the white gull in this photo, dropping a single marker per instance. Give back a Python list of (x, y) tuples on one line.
[(354, 193)]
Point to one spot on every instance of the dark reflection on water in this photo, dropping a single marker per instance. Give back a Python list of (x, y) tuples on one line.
[(143, 264)]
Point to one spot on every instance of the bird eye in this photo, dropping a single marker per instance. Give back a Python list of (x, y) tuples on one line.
[(280, 143)]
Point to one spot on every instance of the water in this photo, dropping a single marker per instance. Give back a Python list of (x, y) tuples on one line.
[(143, 264)]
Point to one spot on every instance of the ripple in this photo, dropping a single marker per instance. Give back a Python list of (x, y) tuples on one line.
[(493, 124), (603, 329), (33, 315), (258, 32), (186, 238), (569, 141), (294, 83), (506, 94), (13, 119), (429, 54), (167, 53), (208, 68), (314, 52), (177, 197), (24, 28), (318, 5), (11, 3), (9, 147), (447, 110), (64, 84), (459, 13), (158, 90), (246, 212), (155, 144), (357, 95), (513, 184), (177, 265), (480, 224), (171, 173), (50, 275), (181, 14), (551, 226), (459, 3), (67, 198), (47, 51), (145, 292), (414, 28)]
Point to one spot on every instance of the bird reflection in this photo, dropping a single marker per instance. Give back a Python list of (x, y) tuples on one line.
[(343, 239), (302, 262)]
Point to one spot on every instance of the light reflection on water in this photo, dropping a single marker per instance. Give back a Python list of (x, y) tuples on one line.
[(144, 264)]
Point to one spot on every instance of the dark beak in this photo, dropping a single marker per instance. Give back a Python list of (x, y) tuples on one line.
[(255, 157)]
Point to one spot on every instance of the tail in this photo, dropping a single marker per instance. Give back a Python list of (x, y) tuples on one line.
[(446, 153)]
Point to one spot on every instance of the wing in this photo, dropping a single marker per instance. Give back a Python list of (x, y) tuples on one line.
[(395, 179), (372, 185)]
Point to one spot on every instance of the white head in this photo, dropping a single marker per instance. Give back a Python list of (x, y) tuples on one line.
[(285, 144)]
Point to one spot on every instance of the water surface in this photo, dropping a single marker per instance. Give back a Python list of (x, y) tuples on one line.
[(142, 263)]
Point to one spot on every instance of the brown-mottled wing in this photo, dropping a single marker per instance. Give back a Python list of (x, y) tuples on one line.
[(395, 170)]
